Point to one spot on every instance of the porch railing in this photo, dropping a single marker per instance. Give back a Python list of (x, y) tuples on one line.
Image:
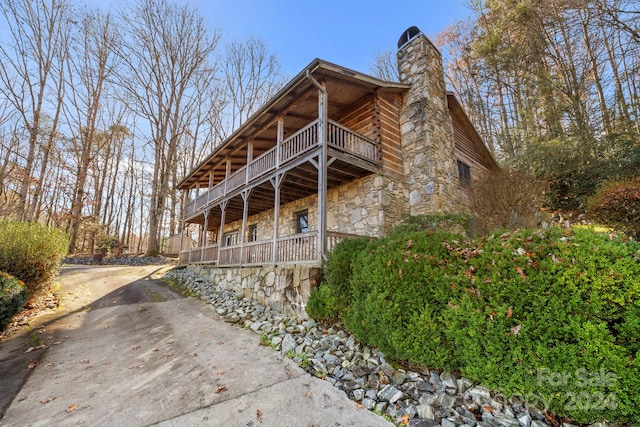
[(305, 140), (298, 248)]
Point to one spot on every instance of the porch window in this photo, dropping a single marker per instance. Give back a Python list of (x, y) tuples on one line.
[(464, 173), (302, 221), (253, 233), (230, 238)]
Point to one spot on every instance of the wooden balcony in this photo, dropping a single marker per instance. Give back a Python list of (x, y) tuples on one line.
[(297, 249), (352, 149)]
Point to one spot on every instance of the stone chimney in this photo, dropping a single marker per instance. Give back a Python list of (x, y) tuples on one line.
[(427, 133)]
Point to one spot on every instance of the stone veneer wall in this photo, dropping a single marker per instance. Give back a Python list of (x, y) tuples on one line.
[(369, 206), (427, 130), (285, 289)]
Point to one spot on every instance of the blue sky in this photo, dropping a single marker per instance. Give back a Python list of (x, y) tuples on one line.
[(348, 32)]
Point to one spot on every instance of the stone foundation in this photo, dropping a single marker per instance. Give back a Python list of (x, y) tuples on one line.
[(284, 289)]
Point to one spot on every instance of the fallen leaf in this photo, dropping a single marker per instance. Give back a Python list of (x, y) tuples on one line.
[(135, 347), (404, 420), (452, 305), (85, 361), (194, 354), (48, 399), (220, 373), (221, 389), (259, 415), (521, 273), (32, 364), (509, 313), (72, 408), (409, 244), (516, 329), (400, 273), (106, 363), (308, 395), (488, 409), (38, 347)]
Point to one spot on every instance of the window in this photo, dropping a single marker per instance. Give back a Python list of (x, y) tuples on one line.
[(230, 238), (302, 222), (253, 233), (464, 173)]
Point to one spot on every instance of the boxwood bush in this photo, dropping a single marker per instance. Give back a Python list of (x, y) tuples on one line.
[(13, 296), (548, 314), (31, 252), (617, 204)]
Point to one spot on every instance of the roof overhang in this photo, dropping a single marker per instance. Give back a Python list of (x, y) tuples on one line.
[(297, 102)]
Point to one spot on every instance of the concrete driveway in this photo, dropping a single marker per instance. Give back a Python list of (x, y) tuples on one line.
[(122, 349)]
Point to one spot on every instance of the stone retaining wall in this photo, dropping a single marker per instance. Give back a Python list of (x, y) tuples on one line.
[(284, 289)]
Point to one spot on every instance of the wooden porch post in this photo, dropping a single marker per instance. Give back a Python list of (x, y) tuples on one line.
[(279, 139), (223, 210), (205, 228), (245, 211), (322, 172), (249, 160), (276, 182)]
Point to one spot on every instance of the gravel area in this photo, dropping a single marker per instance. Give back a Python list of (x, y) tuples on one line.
[(422, 399)]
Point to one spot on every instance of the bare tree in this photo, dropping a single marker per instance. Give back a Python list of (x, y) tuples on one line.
[(385, 66), (167, 48), (251, 77), (30, 66), (93, 63)]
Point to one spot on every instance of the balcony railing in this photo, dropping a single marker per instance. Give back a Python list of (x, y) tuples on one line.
[(295, 249), (305, 140)]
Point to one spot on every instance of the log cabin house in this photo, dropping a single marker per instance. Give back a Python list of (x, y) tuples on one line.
[(335, 153)]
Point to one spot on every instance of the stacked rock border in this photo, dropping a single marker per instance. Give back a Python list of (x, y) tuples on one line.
[(420, 399)]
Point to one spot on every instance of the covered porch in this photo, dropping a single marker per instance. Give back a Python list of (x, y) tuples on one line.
[(321, 132)]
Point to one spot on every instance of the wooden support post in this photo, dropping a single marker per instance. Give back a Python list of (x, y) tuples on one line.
[(279, 138), (205, 227), (227, 172), (223, 211), (276, 182), (249, 160), (322, 172), (245, 211)]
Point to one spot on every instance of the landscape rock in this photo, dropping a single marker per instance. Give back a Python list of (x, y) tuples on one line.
[(428, 398)]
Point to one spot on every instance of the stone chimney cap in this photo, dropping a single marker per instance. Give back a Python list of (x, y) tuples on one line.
[(408, 35)]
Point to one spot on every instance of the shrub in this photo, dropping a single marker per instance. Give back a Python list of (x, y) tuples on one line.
[(617, 204), (13, 296), (31, 251), (453, 222), (328, 299), (507, 199), (514, 311)]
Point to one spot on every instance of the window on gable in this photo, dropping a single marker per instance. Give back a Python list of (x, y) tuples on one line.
[(230, 238), (253, 233), (302, 221), (464, 173)]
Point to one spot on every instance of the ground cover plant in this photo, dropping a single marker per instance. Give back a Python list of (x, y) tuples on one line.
[(549, 315), (13, 296)]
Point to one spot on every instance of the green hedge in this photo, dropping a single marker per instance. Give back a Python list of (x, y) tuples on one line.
[(552, 315), (13, 296), (617, 204), (31, 251)]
